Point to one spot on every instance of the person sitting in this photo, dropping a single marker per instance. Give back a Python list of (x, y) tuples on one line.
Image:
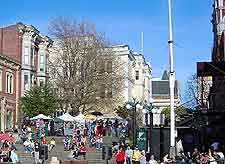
[(52, 144), (66, 143), (27, 146)]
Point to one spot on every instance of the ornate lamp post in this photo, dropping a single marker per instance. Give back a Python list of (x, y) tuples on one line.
[(134, 105)]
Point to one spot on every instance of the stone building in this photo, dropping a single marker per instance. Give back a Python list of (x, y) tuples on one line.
[(137, 74)]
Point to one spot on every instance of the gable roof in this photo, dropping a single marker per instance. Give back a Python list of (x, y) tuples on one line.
[(165, 75)]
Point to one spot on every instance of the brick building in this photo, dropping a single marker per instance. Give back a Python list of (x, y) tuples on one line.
[(27, 46), (9, 91)]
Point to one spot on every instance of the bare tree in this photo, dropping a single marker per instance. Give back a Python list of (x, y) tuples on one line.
[(84, 69), (197, 92)]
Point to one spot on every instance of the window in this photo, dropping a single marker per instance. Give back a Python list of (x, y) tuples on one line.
[(9, 83), (46, 65), (137, 75), (32, 56), (26, 55), (102, 91), (31, 80), (26, 85), (109, 92), (0, 80), (42, 63), (102, 66), (41, 82), (109, 67)]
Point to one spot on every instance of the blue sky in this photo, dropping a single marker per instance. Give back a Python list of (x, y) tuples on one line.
[(123, 21)]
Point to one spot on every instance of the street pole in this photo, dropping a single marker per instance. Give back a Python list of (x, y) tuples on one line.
[(134, 117), (172, 81)]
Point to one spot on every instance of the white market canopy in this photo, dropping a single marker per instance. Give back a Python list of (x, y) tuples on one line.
[(67, 117), (41, 116), (112, 115), (79, 118)]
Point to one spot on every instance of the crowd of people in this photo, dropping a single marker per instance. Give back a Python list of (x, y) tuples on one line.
[(76, 143), (8, 152), (99, 128), (132, 155)]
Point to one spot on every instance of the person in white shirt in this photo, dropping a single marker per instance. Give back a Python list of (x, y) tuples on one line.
[(152, 160), (27, 146)]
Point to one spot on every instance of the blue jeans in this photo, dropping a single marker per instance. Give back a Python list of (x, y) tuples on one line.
[(29, 149)]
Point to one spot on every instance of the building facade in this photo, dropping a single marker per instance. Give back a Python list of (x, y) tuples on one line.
[(161, 96), (142, 77), (9, 92), (137, 74), (27, 46)]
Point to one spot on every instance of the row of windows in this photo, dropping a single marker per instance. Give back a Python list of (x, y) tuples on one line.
[(43, 62), (9, 82), (32, 81)]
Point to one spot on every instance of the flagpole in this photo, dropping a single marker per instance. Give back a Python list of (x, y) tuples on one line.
[(172, 81)]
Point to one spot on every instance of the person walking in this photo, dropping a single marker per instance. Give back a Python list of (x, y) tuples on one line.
[(129, 153), (152, 160), (120, 156), (83, 150), (14, 156), (143, 158), (136, 156)]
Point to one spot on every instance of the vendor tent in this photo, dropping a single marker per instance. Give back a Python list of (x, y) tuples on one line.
[(90, 117), (41, 116), (67, 117), (112, 115), (79, 118)]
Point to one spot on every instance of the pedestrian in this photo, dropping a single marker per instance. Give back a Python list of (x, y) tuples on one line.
[(136, 156), (129, 153), (166, 160), (120, 156), (143, 158), (44, 140), (152, 160), (83, 150), (14, 156), (36, 152)]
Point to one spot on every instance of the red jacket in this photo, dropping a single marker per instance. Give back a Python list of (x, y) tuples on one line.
[(120, 156)]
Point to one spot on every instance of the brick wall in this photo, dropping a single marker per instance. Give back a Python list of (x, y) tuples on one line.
[(10, 42)]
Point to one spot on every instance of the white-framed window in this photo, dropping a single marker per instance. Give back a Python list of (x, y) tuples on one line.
[(42, 62), (31, 79), (26, 55), (26, 84), (41, 82), (32, 56), (46, 64), (9, 83), (137, 75)]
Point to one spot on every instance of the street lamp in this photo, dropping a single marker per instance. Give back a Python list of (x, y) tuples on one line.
[(134, 105)]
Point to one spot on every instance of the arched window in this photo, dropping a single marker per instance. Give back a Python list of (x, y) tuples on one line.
[(9, 82)]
